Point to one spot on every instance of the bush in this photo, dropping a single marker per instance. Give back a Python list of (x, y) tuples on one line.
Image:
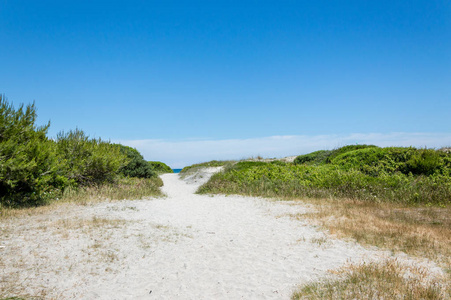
[(373, 161), (28, 161), (159, 167), (213, 163), (426, 162), (326, 156), (346, 149), (35, 169), (136, 166), (88, 161), (317, 157), (329, 180)]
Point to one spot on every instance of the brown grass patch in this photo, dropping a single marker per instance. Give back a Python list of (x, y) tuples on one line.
[(387, 280), (419, 231), (423, 232)]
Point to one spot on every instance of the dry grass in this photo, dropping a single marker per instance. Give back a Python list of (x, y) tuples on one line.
[(387, 280), (423, 232), (88, 224), (126, 188), (19, 269), (419, 231)]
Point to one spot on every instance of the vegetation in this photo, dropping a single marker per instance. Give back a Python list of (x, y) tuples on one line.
[(394, 198), (377, 161), (136, 165), (325, 156), (28, 162), (418, 231), (122, 188), (317, 157), (389, 280), (159, 167), (35, 169), (401, 175), (84, 161), (213, 163)]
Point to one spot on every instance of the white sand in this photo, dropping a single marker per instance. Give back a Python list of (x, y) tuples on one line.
[(183, 246)]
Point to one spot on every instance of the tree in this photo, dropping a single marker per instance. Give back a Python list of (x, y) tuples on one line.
[(28, 162)]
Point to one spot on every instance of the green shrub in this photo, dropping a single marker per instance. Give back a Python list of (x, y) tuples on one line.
[(266, 179), (374, 161), (317, 157), (213, 163), (86, 161), (244, 165), (425, 162), (159, 167), (28, 161), (35, 169), (136, 166), (326, 156), (279, 162), (346, 149)]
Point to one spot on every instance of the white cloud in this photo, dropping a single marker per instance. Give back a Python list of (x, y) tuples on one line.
[(180, 153)]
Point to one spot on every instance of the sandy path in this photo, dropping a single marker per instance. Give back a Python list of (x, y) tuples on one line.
[(183, 246)]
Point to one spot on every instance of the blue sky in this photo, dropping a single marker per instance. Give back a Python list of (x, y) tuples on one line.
[(161, 74)]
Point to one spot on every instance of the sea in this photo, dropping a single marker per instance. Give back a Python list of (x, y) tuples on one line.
[(176, 170)]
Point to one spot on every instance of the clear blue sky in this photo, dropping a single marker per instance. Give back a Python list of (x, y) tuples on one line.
[(218, 70)]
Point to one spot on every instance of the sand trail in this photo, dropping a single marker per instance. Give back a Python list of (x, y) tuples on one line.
[(183, 246)]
